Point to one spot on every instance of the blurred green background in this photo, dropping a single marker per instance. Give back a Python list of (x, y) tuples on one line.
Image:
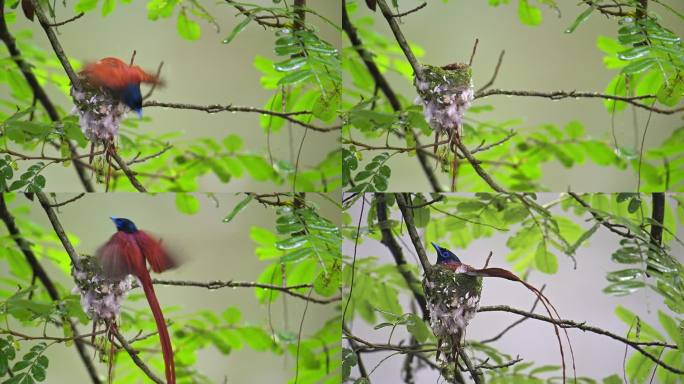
[(211, 250), (203, 72), (541, 58)]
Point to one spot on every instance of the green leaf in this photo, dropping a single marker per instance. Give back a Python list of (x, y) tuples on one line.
[(238, 28), (417, 327), (258, 168), (232, 143), (232, 315), (187, 29), (528, 14), (639, 66), (187, 203), (239, 207), (629, 317), (349, 360), (544, 260), (107, 7), (85, 5), (612, 379), (580, 19)]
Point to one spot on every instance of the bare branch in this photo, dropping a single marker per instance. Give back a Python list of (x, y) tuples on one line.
[(559, 95), (67, 21), (215, 108), (410, 11), (65, 202), (582, 326), (217, 284)]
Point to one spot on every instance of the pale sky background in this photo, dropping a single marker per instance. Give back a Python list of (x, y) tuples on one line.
[(576, 294), (202, 72), (541, 58), (212, 250)]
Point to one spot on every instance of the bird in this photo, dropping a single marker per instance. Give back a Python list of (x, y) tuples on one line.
[(453, 290), (128, 252), (121, 79)]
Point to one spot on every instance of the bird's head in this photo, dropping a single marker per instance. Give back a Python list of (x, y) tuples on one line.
[(445, 256), (132, 97), (124, 225)]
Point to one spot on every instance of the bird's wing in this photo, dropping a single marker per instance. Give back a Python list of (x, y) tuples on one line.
[(158, 256), (141, 76), (109, 72), (115, 256)]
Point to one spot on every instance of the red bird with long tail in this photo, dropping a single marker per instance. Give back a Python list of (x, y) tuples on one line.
[(126, 253)]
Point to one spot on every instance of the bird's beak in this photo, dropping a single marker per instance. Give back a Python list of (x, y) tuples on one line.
[(437, 247), (113, 218)]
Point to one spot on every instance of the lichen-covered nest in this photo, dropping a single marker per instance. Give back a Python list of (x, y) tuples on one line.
[(99, 111), (446, 93), (453, 299), (101, 298)]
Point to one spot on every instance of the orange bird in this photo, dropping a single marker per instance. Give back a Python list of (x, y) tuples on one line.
[(121, 79), (125, 254)]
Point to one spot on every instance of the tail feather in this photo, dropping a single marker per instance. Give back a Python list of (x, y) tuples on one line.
[(508, 275), (167, 351)]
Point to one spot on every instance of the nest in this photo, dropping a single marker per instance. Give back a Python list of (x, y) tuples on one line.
[(100, 113), (100, 298), (453, 299), (446, 93)]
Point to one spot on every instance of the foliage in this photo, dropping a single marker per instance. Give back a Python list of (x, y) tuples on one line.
[(538, 232), (302, 248), (303, 78), (647, 55)]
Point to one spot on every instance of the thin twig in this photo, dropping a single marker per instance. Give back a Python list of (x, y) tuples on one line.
[(559, 95), (127, 171), (215, 108), (217, 284), (582, 326), (65, 202), (410, 11), (67, 21)]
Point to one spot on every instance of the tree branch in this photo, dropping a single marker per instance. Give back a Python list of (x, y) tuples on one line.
[(217, 284), (390, 242), (588, 328), (382, 84), (59, 230), (215, 108), (42, 275), (39, 92), (134, 356), (411, 228), (559, 95)]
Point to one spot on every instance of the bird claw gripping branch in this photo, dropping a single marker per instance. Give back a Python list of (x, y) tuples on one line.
[(446, 93), (453, 291)]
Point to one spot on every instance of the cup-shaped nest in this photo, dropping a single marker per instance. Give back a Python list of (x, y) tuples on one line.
[(453, 299), (100, 113), (446, 93), (101, 298)]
